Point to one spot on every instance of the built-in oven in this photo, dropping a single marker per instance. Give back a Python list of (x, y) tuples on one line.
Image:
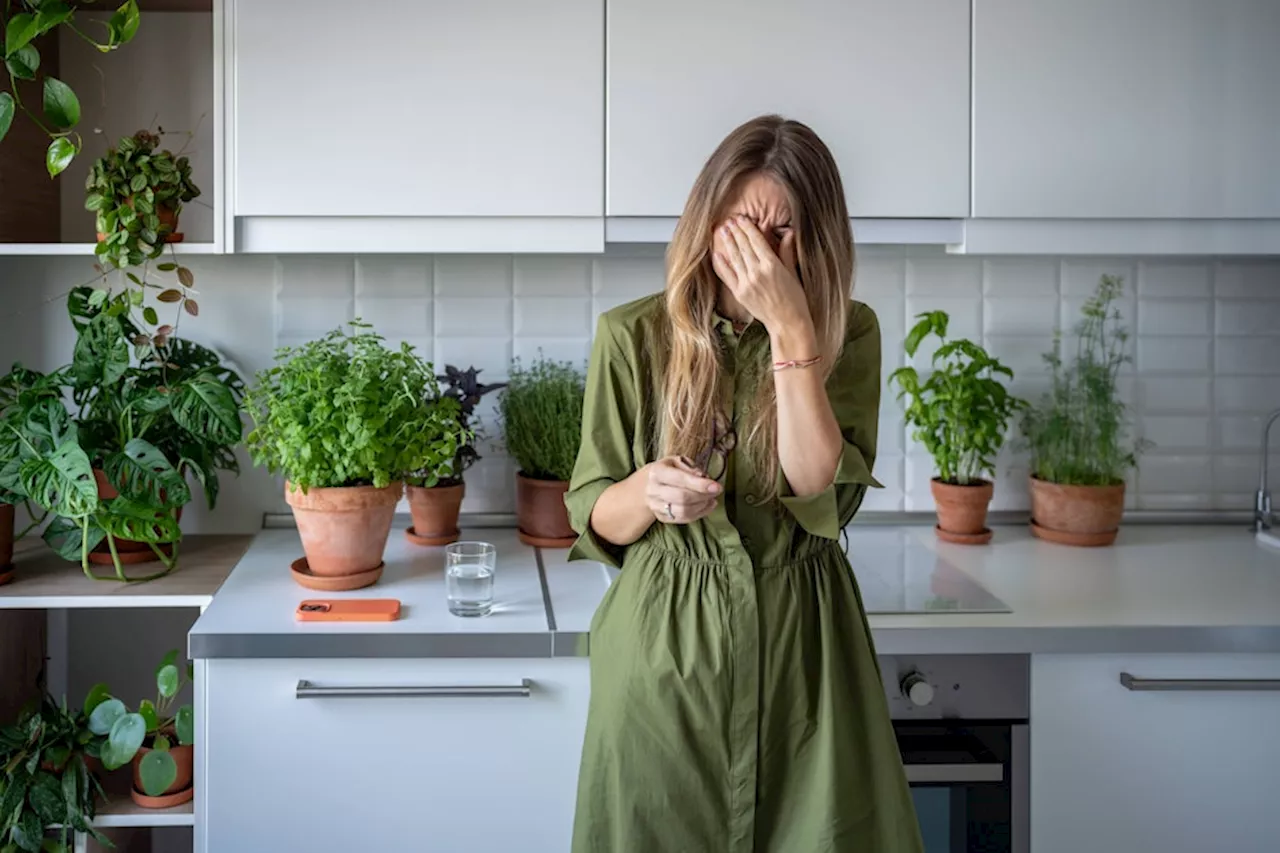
[(962, 726)]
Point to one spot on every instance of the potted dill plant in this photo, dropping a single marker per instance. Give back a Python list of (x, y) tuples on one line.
[(1079, 432), (541, 410), (435, 497), (346, 418), (960, 414)]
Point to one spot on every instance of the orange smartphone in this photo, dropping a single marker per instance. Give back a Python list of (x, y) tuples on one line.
[(348, 610)]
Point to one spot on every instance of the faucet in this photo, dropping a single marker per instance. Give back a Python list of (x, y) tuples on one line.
[(1262, 502)]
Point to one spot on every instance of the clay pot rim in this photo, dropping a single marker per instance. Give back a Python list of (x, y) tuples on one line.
[(436, 489), (540, 481), (976, 484), (388, 494)]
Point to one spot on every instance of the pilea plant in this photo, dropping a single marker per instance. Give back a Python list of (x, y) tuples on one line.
[(45, 780), (137, 191), (156, 723), (346, 410), (24, 21), (961, 411), (541, 410)]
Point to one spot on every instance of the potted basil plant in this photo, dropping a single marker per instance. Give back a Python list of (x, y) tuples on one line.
[(960, 413)]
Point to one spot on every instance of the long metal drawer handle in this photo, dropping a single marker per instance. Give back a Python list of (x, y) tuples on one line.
[(954, 773), (1131, 682), (307, 690)]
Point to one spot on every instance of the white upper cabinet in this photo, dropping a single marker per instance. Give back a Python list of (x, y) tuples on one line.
[(1140, 109), (886, 85), (403, 108)]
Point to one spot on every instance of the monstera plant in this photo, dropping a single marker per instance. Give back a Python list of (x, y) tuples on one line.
[(147, 412)]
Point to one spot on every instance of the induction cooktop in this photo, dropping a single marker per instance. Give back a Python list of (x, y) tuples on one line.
[(899, 574)]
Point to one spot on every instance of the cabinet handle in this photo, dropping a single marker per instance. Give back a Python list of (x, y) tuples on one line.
[(955, 774), (307, 690), (1131, 682)]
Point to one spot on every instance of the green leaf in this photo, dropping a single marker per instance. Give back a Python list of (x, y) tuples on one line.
[(167, 681), (206, 408), (185, 725), (105, 715), (28, 832), (7, 107), (161, 743), (137, 183), (158, 771), (149, 314), (167, 267), (52, 13), (97, 298), (60, 154), (170, 659), (19, 32), (24, 64), (127, 734), (46, 798), (147, 710), (64, 536), (101, 354), (97, 694), (124, 23), (62, 482), (60, 103), (126, 519), (95, 201)]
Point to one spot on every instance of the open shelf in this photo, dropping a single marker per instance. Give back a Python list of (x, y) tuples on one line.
[(44, 581), (86, 249), (122, 811)]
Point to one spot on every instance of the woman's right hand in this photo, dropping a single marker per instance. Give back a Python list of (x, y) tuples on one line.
[(678, 493)]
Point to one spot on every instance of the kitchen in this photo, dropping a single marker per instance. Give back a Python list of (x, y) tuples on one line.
[(1000, 158)]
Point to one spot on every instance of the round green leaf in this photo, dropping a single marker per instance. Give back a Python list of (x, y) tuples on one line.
[(127, 735), (24, 63), (98, 694), (158, 771), (161, 743), (167, 681), (149, 314), (60, 103), (147, 711), (60, 154), (104, 715), (7, 107), (185, 724)]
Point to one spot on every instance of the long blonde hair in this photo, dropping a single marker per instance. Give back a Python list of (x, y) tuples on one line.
[(794, 156)]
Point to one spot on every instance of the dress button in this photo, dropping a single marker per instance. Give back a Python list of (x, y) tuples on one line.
[(751, 499)]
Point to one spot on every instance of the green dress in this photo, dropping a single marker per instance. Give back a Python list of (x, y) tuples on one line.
[(736, 702)]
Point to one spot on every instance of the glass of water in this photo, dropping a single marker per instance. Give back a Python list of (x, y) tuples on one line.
[(468, 574)]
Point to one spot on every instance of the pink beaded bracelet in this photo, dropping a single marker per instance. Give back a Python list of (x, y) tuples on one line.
[(784, 365)]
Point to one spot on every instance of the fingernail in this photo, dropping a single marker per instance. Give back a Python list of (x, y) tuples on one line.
[(713, 489)]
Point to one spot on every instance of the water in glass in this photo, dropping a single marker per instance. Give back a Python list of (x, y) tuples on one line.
[(469, 568)]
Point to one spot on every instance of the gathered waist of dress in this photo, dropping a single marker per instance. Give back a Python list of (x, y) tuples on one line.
[(819, 554)]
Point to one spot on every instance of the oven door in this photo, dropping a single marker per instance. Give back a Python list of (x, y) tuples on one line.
[(969, 784)]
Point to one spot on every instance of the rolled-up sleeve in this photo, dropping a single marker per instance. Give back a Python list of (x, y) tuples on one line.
[(854, 391), (604, 454)]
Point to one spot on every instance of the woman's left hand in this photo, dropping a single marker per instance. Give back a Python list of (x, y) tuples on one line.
[(763, 283)]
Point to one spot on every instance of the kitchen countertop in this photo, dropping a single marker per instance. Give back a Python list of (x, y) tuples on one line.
[(1160, 588)]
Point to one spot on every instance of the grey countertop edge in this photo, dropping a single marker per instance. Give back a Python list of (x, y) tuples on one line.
[(888, 641)]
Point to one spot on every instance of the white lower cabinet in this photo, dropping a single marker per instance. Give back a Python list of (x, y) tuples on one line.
[(1186, 762), (446, 756)]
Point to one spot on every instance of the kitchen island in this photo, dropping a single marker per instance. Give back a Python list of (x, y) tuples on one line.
[(467, 731)]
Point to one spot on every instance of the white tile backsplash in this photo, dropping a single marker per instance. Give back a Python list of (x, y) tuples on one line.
[(1205, 336)]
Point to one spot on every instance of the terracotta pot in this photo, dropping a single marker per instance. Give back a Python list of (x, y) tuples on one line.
[(435, 512), (541, 514), (962, 511), (1076, 515), (344, 530), (183, 756), (102, 553), (168, 223), (6, 535)]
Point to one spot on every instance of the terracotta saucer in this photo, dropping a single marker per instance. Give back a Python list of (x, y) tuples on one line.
[(128, 558), (333, 583), (430, 541), (965, 538), (545, 541), (164, 801), (1064, 537), (6, 574)]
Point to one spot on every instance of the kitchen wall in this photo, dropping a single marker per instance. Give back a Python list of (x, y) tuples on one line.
[(1206, 343)]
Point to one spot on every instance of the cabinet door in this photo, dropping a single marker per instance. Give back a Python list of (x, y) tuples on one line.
[(331, 774), (409, 108), (1115, 770), (1146, 108), (886, 85)]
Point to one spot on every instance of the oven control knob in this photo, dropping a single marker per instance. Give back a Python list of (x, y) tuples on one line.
[(916, 688)]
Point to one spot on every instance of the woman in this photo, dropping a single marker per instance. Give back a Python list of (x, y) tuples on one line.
[(736, 703)]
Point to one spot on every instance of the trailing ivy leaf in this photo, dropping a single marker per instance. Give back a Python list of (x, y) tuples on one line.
[(62, 482), (19, 32), (184, 722), (101, 354), (95, 201), (61, 104), (124, 23), (97, 694), (170, 295), (149, 314), (167, 266), (60, 154), (137, 183), (64, 536), (52, 13), (158, 771), (7, 107), (193, 307), (142, 474), (205, 407), (24, 64), (185, 277)]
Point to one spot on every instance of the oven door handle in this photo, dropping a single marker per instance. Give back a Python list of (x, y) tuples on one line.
[(920, 774)]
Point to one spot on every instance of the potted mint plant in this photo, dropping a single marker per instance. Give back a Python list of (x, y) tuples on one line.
[(1079, 432), (345, 419), (541, 410), (960, 413), (435, 496)]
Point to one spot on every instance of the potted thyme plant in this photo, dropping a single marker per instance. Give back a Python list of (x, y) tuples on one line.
[(960, 414), (541, 410), (346, 419), (1079, 432), (435, 497)]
